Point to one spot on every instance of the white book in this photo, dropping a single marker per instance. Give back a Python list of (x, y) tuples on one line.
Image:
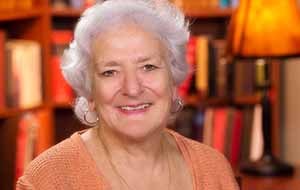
[(256, 140), (26, 71)]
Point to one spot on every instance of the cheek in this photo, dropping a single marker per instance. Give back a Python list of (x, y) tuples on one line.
[(160, 84), (104, 91)]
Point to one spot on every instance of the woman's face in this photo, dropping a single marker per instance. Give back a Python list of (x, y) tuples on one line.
[(132, 84)]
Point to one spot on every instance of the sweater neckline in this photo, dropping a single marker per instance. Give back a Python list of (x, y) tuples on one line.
[(179, 140)]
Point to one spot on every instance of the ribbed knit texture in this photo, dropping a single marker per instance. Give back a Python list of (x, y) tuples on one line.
[(68, 165)]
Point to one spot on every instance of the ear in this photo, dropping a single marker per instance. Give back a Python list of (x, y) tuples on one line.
[(174, 92), (92, 105)]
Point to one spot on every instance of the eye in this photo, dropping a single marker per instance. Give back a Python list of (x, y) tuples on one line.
[(109, 73), (149, 67)]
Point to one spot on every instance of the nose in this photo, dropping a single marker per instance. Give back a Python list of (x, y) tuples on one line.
[(132, 85)]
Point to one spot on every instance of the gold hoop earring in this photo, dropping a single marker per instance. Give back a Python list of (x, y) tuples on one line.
[(178, 106), (87, 121)]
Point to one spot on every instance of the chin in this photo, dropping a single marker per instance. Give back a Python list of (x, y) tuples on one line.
[(139, 132)]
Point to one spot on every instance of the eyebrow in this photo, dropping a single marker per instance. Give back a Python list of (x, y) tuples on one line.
[(109, 63), (140, 59), (143, 59)]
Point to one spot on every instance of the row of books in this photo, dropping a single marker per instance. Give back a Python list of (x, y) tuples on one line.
[(194, 6), (14, 4), (76, 4), (20, 73), (212, 75), (237, 133), (21, 83), (184, 4)]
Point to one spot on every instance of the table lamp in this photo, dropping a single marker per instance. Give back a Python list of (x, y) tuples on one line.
[(265, 30)]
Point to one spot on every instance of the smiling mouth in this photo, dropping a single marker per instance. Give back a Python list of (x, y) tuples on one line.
[(139, 107)]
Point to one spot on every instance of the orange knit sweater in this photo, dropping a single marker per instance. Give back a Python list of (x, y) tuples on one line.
[(68, 165)]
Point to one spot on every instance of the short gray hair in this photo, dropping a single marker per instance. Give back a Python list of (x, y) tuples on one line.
[(162, 19)]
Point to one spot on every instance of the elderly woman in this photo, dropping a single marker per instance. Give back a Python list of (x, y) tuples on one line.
[(126, 60)]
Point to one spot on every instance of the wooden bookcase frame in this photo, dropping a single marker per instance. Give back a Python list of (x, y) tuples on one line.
[(36, 24)]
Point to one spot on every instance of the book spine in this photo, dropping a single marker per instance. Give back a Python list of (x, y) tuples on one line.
[(2, 69), (61, 91)]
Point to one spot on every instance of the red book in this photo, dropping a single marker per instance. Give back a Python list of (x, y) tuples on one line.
[(184, 87), (236, 137), (61, 91), (26, 137), (219, 131), (89, 3), (2, 65), (45, 133)]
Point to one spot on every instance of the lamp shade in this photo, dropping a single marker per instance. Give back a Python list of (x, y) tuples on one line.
[(265, 28)]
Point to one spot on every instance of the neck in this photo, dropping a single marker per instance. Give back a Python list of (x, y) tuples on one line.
[(135, 153)]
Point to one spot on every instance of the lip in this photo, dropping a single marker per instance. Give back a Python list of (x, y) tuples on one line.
[(134, 112)]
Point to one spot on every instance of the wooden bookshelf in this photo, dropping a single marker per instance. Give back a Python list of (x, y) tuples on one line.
[(11, 112), (223, 101), (210, 13), (247, 100), (15, 15), (62, 105), (66, 12), (37, 23)]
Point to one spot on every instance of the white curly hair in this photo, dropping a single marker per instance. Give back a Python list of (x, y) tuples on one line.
[(159, 17)]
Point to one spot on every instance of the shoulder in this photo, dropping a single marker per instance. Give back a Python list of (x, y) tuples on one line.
[(210, 167), (58, 155), (53, 166), (197, 149)]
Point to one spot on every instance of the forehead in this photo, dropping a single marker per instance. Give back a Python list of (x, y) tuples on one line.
[(126, 42)]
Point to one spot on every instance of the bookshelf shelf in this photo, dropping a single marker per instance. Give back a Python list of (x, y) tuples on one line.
[(241, 100), (12, 15), (11, 112), (216, 101), (247, 100), (210, 13), (66, 12), (62, 105)]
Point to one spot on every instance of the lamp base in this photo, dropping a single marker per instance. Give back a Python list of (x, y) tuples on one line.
[(268, 165)]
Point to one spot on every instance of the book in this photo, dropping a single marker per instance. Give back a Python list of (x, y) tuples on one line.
[(45, 131), (88, 3), (290, 105), (224, 3), (208, 126), (256, 143), (24, 4), (184, 123), (248, 113), (198, 123), (77, 4), (2, 69), (7, 5), (26, 137), (60, 89), (60, 4), (229, 131), (24, 80), (221, 69), (202, 65), (184, 87), (219, 129), (236, 138)]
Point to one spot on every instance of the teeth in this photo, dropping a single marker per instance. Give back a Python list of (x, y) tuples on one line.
[(131, 108)]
